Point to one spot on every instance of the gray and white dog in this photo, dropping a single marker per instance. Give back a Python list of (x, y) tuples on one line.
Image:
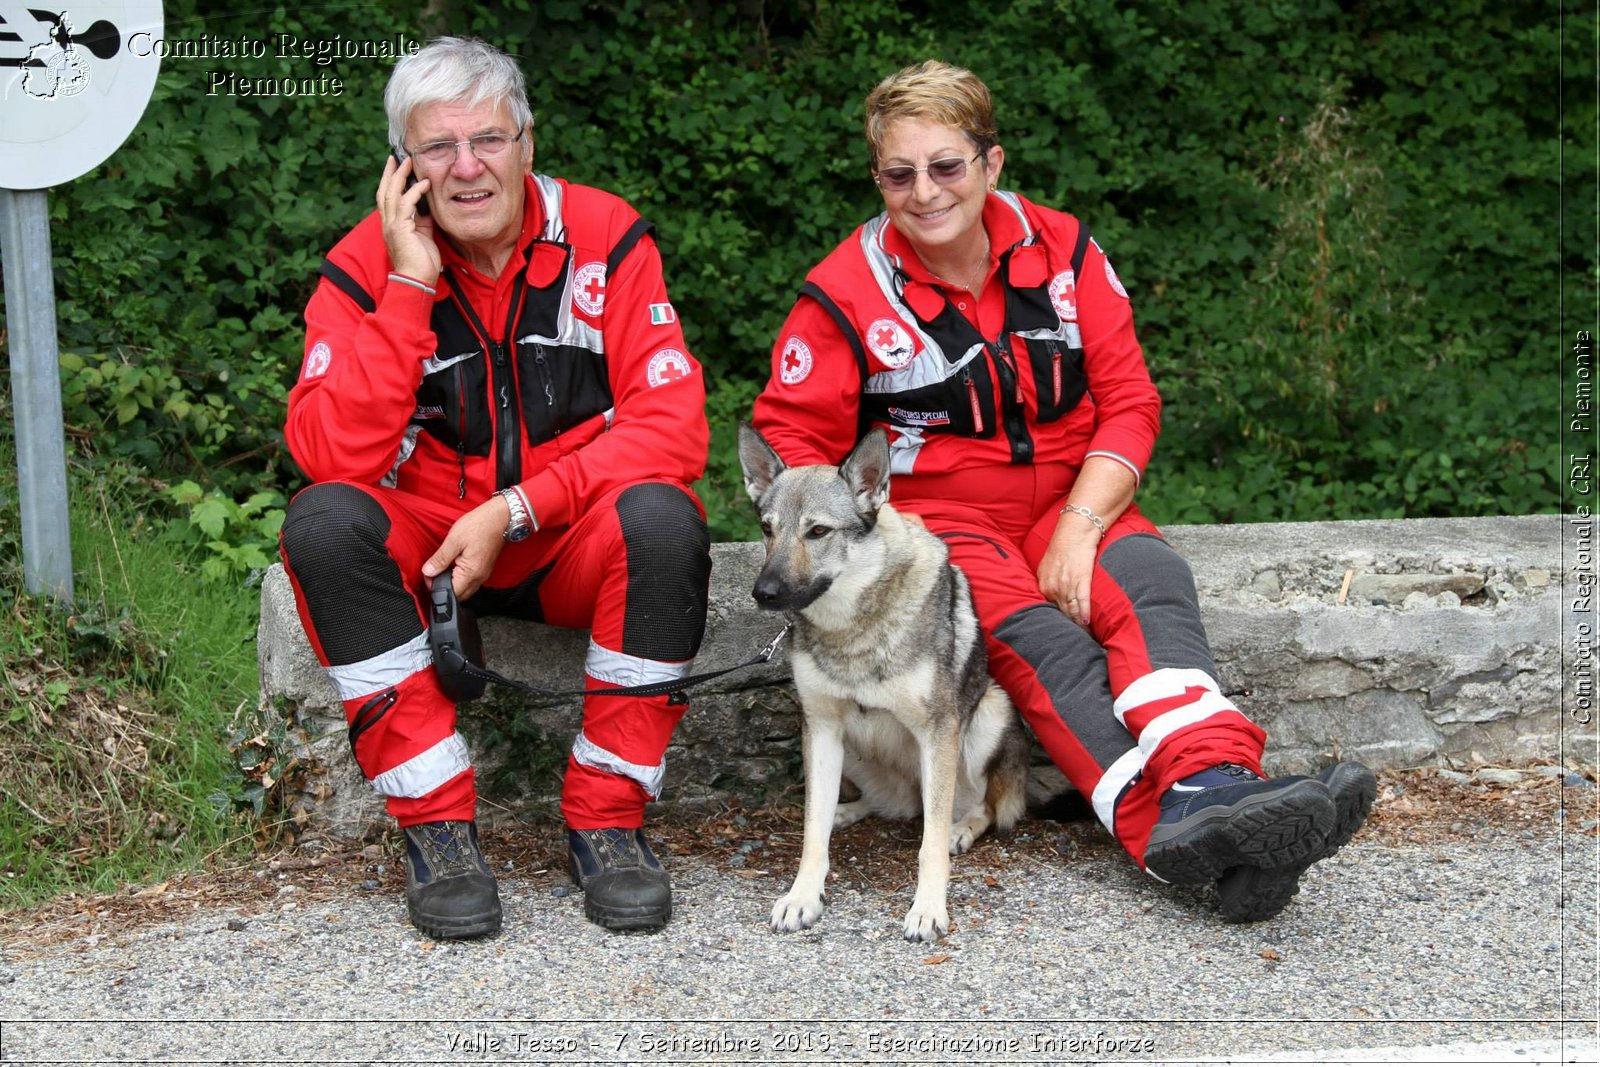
[(891, 672)]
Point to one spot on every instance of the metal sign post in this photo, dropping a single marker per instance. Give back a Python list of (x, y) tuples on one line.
[(73, 85), (36, 393)]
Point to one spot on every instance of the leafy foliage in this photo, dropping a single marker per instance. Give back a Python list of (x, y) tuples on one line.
[(1335, 220)]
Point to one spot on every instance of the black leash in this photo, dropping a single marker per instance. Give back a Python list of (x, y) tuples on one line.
[(458, 655)]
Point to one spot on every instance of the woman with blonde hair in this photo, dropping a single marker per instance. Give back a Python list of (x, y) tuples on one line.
[(993, 340)]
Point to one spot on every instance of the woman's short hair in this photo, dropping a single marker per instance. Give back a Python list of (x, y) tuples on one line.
[(448, 69), (935, 92)]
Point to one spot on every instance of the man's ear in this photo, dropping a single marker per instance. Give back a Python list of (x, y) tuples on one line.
[(760, 463), (866, 471)]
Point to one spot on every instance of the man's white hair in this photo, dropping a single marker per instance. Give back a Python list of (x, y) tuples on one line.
[(448, 69)]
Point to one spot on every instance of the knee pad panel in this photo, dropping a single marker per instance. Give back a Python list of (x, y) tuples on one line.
[(335, 545), (669, 571)]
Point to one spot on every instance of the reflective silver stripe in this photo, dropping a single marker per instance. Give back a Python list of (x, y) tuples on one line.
[(555, 223), (1111, 784), (1156, 685), (904, 449), (569, 330), (1159, 685), (408, 445), (589, 754), (1138, 475), (929, 367), (426, 771), (433, 364), (619, 668), (355, 680)]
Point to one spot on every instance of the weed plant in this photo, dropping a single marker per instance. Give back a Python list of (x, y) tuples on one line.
[(112, 710)]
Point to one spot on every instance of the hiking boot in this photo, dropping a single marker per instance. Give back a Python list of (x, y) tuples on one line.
[(1250, 894), (1229, 816), (450, 892), (624, 886)]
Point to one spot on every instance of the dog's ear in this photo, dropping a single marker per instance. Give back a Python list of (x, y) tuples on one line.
[(866, 471), (761, 464)]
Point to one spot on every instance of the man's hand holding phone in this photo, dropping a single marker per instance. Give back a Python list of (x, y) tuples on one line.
[(407, 226)]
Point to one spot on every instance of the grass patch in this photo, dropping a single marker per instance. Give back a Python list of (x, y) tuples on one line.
[(112, 712)]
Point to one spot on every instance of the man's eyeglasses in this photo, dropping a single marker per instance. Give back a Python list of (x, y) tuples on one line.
[(947, 171), (484, 146)]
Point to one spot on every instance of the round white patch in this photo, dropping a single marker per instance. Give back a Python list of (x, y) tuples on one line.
[(890, 342), (589, 288), (794, 366), (1116, 283), (318, 360), (1064, 296), (667, 365)]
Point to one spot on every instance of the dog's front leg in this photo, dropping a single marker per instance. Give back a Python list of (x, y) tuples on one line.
[(940, 743), (822, 746)]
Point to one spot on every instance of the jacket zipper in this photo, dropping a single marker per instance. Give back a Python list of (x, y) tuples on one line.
[(544, 375), (461, 433), (972, 399)]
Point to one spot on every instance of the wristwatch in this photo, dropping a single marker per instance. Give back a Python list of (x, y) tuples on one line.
[(521, 524)]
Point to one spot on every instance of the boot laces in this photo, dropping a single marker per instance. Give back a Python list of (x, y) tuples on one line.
[(613, 848), (447, 849)]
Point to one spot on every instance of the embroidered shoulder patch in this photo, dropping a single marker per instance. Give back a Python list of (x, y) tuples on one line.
[(318, 360), (794, 365), (667, 365)]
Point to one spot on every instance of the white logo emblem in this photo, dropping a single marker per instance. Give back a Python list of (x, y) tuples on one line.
[(1064, 296), (589, 288), (1116, 283), (318, 360), (667, 365), (795, 363), (56, 69), (889, 341)]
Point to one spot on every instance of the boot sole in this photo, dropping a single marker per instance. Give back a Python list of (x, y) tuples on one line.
[(614, 918), (1266, 830), (1251, 895), (459, 928)]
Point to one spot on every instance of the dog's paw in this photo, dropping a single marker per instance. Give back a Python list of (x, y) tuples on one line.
[(962, 836), (796, 912), (926, 924), (850, 813)]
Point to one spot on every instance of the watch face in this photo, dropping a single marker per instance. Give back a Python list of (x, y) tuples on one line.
[(520, 533)]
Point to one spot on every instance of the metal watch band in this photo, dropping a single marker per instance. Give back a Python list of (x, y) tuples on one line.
[(521, 523)]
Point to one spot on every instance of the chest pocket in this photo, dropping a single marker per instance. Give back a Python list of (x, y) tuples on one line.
[(452, 401), (561, 366)]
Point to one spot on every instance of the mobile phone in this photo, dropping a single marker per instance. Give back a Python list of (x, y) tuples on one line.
[(411, 179)]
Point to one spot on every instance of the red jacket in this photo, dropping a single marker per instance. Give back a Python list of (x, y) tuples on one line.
[(1044, 369), (594, 389)]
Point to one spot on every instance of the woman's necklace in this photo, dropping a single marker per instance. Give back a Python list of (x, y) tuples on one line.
[(977, 275)]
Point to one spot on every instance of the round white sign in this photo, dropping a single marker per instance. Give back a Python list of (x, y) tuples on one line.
[(75, 76)]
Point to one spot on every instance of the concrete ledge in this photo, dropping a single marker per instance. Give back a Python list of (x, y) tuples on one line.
[(1401, 643)]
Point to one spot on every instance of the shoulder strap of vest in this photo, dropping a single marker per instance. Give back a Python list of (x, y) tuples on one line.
[(625, 244), (352, 288), (847, 328), (1079, 249), (840, 319)]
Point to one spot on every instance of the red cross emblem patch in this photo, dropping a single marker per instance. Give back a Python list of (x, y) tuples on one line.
[(889, 341), (589, 288)]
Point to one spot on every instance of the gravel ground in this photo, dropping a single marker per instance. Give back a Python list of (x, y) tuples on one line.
[(1467, 925)]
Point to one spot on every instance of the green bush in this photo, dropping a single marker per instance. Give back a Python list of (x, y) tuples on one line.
[(1335, 220)]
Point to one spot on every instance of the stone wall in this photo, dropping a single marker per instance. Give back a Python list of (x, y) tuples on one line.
[(1401, 643)]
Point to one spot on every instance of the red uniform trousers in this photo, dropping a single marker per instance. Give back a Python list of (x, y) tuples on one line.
[(1124, 709), (634, 570)]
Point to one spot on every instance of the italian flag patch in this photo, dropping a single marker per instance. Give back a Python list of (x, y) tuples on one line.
[(661, 314)]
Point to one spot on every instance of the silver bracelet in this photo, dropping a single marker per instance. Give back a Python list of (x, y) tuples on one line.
[(405, 279), (1078, 509)]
